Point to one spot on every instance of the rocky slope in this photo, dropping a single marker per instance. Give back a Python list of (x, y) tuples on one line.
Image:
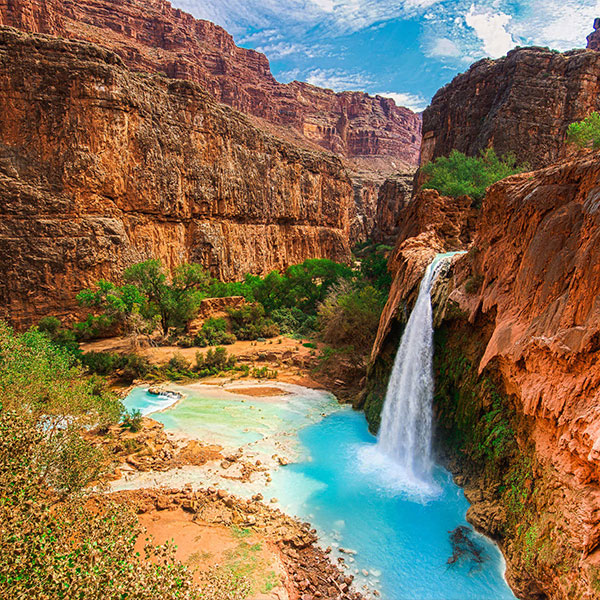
[(151, 35), (101, 167), (517, 377), (522, 103)]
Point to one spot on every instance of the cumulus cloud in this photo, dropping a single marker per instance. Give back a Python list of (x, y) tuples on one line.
[(490, 28), (413, 101)]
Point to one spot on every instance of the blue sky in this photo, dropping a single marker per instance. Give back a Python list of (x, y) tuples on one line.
[(405, 49)]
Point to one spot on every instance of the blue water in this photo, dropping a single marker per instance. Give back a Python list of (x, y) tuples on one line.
[(354, 496), (401, 537)]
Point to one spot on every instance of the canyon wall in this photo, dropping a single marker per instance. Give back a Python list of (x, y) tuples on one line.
[(101, 167), (151, 35), (520, 104), (517, 376)]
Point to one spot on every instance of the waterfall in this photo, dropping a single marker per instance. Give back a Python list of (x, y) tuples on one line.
[(406, 422)]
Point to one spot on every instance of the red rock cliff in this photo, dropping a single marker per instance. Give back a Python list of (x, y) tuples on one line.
[(153, 36), (101, 167), (518, 369), (522, 103)]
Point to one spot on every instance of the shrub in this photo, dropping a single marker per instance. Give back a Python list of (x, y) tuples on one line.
[(214, 361), (102, 363), (264, 373), (134, 366), (179, 363), (459, 175), (49, 325), (133, 421), (349, 317), (586, 133), (249, 322), (214, 333)]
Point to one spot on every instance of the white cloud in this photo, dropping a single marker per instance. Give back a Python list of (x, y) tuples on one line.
[(442, 48), (333, 15), (338, 80), (413, 101), (491, 28)]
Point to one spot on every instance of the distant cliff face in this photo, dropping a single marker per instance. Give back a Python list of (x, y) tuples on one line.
[(101, 167), (151, 35), (522, 103)]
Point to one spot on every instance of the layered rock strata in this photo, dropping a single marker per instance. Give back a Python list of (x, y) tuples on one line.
[(520, 104), (101, 167), (152, 36)]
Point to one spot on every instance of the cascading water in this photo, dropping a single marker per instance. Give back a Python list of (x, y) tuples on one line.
[(406, 422)]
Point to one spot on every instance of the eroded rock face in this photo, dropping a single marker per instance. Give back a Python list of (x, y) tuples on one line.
[(393, 197), (517, 376), (520, 104), (151, 35), (101, 167)]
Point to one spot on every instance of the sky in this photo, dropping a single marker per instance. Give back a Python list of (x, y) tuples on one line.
[(404, 49)]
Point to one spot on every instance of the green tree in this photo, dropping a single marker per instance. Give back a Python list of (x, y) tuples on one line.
[(586, 133), (459, 175), (349, 318), (149, 296)]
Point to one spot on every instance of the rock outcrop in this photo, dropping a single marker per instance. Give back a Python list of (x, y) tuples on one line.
[(593, 40), (517, 376), (520, 104), (430, 224), (393, 196), (152, 36), (101, 167)]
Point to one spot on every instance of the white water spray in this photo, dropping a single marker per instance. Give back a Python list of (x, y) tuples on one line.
[(406, 422)]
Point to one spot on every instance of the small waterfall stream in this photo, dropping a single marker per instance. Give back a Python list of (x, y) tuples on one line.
[(406, 421)]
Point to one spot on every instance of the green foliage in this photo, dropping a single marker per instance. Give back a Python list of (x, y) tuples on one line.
[(149, 297), (249, 322), (213, 333), (264, 373), (586, 133), (133, 421), (214, 361), (61, 336), (459, 175), (374, 265), (101, 363), (349, 317), (45, 379)]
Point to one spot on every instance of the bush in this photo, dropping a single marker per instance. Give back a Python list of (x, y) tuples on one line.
[(214, 333), (102, 363), (264, 373), (349, 317), (133, 366), (586, 133), (133, 421), (249, 322), (214, 361), (179, 363), (459, 175)]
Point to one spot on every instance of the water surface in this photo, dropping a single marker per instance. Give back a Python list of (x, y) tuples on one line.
[(354, 496)]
